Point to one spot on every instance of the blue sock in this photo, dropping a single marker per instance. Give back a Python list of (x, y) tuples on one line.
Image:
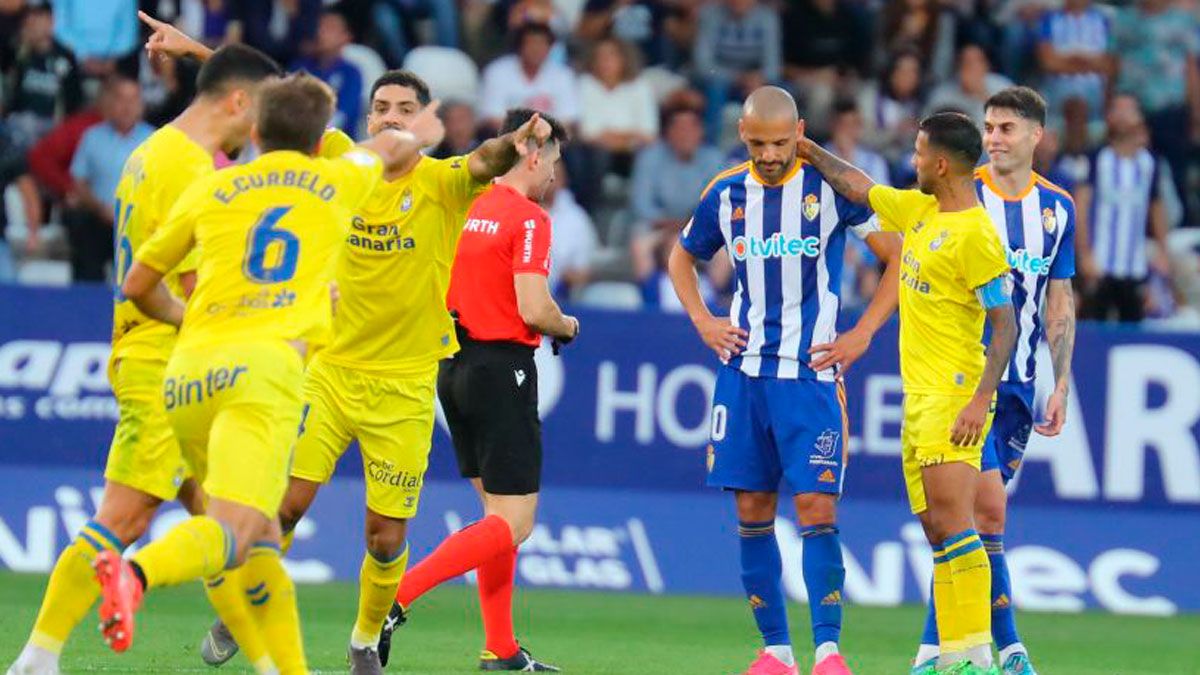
[(762, 572), (824, 576), (1004, 619), (930, 636)]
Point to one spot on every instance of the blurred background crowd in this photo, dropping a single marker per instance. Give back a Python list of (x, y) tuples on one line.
[(650, 90)]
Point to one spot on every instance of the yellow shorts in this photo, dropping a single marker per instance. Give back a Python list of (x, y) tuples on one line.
[(235, 410), (144, 454), (925, 439), (392, 419)]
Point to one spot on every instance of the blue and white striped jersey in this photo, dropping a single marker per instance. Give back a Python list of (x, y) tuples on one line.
[(1123, 190), (786, 243), (1087, 33), (1037, 228)]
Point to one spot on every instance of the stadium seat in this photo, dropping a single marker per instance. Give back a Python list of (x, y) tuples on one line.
[(368, 63), (451, 74)]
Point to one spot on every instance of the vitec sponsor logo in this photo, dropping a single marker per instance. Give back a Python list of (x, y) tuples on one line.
[(48, 380), (606, 557), (776, 246), (1025, 262)]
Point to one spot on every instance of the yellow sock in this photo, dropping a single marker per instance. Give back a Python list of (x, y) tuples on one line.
[(945, 607), (971, 574), (227, 596), (272, 599), (72, 589), (198, 548), (285, 544), (377, 583)]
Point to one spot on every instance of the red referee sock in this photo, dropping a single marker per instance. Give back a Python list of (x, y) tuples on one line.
[(461, 552), (495, 603)]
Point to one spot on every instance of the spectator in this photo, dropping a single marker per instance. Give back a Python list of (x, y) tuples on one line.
[(1073, 50), (96, 168), (618, 115), (738, 49), (972, 87), (395, 20), (209, 21), (891, 108), (1158, 46), (11, 14), (1076, 148), (168, 86), (1116, 203), (668, 178), (845, 141), (44, 84), (638, 22), (102, 35), (327, 63), (49, 164), (461, 131), (574, 243), (822, 51), (278, 27), (658, 293), (923, 26), (528, 79)]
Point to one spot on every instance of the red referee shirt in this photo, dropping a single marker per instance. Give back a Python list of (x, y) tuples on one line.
[(506, 234)]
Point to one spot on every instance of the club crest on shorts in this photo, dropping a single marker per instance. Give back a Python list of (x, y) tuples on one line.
[(826, 443), (812, 207), (1049, 220)]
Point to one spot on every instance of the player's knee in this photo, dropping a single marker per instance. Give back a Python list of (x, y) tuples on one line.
[(756, 507), (816, 509), (989, 518), (385, 540)]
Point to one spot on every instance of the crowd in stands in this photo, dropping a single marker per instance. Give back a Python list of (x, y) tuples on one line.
[(650, 90)]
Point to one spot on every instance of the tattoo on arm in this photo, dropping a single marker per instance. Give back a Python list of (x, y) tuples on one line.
[(1060, 328), (496, 156), (843, 177)]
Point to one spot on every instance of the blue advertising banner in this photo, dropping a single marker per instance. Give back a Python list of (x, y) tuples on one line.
[(1107, 515), (1061, 558), (627, 407)]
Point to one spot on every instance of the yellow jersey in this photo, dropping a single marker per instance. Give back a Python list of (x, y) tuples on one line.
[(269, 234), (154, 176), (394, 271), (946, 256)]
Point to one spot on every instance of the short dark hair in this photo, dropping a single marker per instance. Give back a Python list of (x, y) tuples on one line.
[(844, 106), (956, 134), (670, 113), (1024, 101), (234, 63), (531, 28), (518, 116), (293, 113), (402, 78)]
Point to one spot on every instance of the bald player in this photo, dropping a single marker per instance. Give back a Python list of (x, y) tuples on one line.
[(779, 409)]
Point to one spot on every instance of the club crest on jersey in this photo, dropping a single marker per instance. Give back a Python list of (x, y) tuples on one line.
[(941, 239), (812, 207), (1049, 220), (406, 200)]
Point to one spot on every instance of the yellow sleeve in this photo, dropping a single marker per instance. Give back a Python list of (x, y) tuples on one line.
[(172, 242), (894, 207), (356, 173), (981, 256), (452, 179), (335, 143)]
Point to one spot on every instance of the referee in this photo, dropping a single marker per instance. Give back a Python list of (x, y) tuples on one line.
[(501, 298)]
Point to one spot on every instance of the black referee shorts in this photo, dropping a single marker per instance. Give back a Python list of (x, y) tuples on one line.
[(489, 394)]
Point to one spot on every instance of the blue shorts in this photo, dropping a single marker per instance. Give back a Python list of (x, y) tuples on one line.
[(765, 429), (1005, 445)]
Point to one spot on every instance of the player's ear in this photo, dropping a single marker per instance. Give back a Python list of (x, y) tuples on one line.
[(800, 128), (742, 129)]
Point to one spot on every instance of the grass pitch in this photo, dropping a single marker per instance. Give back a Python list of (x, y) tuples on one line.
[(598, 634)]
